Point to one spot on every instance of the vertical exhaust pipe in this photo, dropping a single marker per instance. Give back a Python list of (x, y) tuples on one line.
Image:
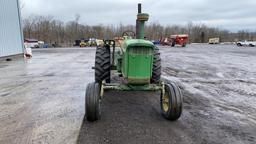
[(140, 23), (139, 7), (137, 22)]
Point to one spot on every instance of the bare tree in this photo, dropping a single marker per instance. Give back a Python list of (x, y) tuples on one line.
[(50, 30)]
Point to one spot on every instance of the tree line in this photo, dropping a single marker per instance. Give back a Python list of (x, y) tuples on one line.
[(50, 30)]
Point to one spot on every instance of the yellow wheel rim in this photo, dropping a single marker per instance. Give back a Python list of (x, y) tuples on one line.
[(165, 102)]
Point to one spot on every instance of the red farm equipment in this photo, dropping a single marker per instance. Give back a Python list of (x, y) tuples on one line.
[(173, 40)]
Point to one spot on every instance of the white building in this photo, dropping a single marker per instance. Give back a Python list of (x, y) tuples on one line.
[(11, 35)]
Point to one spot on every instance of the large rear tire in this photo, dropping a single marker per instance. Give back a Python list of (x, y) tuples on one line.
[(156, 72), (171, 102), (92, 102), (102, 64)]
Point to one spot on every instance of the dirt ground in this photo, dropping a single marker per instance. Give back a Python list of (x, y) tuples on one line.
[(42, 99)]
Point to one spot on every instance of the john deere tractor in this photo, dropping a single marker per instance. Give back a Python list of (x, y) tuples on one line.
[(137, 62)]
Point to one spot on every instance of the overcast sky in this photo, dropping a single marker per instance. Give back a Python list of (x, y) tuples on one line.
[(225, 14)]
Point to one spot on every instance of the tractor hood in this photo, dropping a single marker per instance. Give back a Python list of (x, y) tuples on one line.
[(137, 42)]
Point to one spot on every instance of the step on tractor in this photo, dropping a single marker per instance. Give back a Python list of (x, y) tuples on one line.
[(138, 64)]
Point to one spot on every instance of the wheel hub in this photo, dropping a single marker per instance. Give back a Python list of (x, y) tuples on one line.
[(165, 102)]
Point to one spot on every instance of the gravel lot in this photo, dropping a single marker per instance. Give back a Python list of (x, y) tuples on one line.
[(42, 99)]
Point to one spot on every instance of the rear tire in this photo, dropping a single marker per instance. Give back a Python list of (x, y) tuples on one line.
[(92, 102), (171, 102), (102, 64), (251, 45), (156, 72)]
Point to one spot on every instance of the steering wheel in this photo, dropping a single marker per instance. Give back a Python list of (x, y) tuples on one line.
[(129, 34)]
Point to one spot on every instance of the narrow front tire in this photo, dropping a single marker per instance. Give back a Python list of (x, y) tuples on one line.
[(92, 102), (171, 102)]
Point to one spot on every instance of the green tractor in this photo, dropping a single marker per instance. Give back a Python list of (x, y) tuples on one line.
[(138, 63)]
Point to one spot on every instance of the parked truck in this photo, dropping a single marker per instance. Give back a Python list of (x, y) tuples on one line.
[(246, 43), (180, 39), (214, 40)]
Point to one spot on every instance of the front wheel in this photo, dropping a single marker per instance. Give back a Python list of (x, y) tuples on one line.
[(251, 45), (239, 44), (92, 102), (171, 102)]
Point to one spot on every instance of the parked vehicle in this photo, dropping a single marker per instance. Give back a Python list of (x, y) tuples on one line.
[(46, 46), (155, 42), (246, 43), (77, 43), (92, 42), (33, 43), (166, 41), (99, 42), (84, 43), (214, 40), (40, 44), (138, 64), (181, 39)]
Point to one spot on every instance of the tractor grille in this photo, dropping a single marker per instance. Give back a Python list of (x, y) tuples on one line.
[(141, 51)]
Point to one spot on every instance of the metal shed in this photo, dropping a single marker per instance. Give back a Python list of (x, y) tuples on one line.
[(11, 35)]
